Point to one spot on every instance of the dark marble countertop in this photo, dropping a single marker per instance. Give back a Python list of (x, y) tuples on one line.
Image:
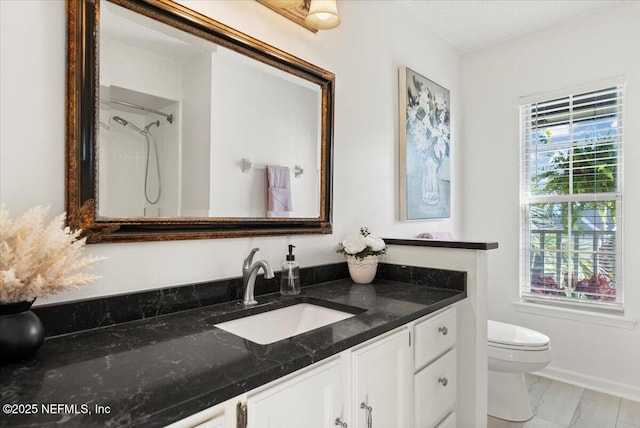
[(155, 371)]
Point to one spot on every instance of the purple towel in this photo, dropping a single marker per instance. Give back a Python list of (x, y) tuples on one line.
[(438, 236), (278, 191)]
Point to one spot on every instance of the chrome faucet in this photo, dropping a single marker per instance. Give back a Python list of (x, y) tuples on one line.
[(249, 273)]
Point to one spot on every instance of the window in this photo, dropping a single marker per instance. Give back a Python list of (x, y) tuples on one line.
[(571, 199)]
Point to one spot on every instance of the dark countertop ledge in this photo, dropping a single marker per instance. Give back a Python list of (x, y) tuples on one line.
[(159, 370), (465, 245)]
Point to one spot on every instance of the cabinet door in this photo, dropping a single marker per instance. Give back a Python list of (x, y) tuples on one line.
[(435, 391), (381, 381), (309, 400)]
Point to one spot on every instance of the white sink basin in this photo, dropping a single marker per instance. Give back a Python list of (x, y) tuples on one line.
[(279, 324)]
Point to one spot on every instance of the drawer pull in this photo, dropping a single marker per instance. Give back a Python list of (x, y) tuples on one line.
[(340, 423), (444, 381), (444, 330), (369, 410)]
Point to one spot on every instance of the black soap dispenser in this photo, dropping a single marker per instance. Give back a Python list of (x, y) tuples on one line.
[(290, 276)]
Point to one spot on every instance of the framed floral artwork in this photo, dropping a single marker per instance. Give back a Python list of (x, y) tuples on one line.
[(425, 133)]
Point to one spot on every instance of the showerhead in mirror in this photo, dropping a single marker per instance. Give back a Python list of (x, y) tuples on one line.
[(120, 120), (125, 122), (156, 123)]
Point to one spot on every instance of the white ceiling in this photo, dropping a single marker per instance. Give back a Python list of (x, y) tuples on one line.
[(136, 30), (470, 25)]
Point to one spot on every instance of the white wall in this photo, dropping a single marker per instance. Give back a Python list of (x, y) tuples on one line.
[(168, 141), (132, 68), (279, 126), (587, 50), (375, 38), (196, 132)]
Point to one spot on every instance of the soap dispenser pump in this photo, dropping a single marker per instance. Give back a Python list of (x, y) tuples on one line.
[(290, 276)]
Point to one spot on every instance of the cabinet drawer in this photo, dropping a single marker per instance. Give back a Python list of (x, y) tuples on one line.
[(434, 336), (435, 391)]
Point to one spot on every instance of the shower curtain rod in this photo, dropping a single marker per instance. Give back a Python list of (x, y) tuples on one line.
[(124, 103)]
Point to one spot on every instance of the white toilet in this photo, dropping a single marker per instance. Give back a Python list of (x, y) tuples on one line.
[(513, 351)]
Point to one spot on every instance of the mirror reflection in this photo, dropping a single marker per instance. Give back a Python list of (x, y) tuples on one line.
[(188, 128)]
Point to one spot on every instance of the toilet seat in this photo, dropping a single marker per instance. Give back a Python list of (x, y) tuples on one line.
[(519, 347), (514, 337)]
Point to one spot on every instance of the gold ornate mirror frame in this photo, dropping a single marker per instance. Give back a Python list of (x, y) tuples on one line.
[(81, 131)]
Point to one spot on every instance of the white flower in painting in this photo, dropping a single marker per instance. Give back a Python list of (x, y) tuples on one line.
[(436, 133), (419, 133), (428, 123), (443, 117), (375, 243), (443, 131), (424, 99), (354, 244), (441, 102), (412, 114)]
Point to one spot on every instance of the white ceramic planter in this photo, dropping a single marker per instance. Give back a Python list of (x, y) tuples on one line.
[(362, 271)]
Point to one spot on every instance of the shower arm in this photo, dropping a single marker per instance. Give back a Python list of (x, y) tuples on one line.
[(136, 106)]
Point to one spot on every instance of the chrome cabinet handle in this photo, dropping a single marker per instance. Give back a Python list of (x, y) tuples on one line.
[(369, 411), (340, 423), (444, 330), (444, 381)]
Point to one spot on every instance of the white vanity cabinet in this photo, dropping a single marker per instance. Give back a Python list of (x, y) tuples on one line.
[(381, 380), (372, 382), (373, 385), (435, 376)]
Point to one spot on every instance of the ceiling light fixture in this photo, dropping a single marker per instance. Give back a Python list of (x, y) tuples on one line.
[(323, 15)]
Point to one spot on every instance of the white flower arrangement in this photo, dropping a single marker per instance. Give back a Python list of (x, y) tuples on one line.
[(362, 244), (37, 260), (428, 121)]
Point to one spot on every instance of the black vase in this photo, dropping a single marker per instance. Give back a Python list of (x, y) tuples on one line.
[(21, 331)]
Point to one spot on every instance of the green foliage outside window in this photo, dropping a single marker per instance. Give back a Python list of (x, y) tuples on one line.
[(588, 167)]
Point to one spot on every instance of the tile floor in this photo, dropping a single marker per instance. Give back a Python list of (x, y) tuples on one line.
[(560, 405)]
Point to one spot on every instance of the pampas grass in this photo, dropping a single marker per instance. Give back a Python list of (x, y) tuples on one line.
[(38, 259)]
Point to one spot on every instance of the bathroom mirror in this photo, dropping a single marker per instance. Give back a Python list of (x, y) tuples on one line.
[(179, 127)]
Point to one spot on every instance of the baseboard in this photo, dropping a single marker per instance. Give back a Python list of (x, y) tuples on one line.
[(622, 390)]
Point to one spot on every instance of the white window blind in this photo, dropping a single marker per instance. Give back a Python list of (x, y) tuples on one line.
[(571, 199)]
